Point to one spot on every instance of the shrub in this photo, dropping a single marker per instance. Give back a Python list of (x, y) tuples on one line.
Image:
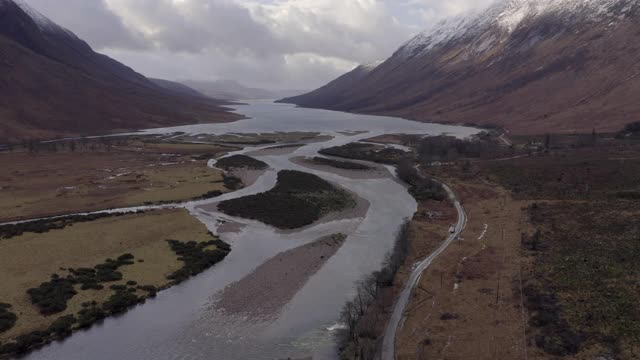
[(340, 164), (241, 162), (120, 302), (232, 182), (150, 289), (63, 325), (448, 316), (297, 200), (89, 316), (7, 318), (196, 257), (25, 342), (369, 152), (51, 297), (45, 225)]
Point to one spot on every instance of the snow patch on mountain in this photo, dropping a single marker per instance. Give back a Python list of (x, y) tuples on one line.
[(43, 22), (371, 66), (487, 28)]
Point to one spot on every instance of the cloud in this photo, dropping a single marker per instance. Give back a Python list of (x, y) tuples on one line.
[(271, 43), (91, 20)]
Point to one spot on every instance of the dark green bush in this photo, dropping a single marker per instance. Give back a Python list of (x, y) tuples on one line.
[(240, 162), (367, 152), (7, 318), (297, 200), (51, 297), (232, 182), (340, 164), (120, 302), (89, 316), (45, 225), (63, 326), (196, 257), (150, 289)]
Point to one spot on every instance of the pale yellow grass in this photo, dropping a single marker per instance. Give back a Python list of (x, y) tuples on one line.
[(30, 259)]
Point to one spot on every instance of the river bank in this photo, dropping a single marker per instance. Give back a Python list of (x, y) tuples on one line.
[(87, 175), (182, 319), (75, 286)]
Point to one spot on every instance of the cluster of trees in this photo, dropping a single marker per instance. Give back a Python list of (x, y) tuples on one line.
[(197, 257), (348, 165), (45, 225), (241, 162), (297, 200), (632, 128), (359, 151), (35, 146), (448, 148), (363, 316), (420, 187), (7, 318), (51, 297)]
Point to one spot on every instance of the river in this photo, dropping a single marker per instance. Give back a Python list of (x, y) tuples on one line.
[(183, 323)]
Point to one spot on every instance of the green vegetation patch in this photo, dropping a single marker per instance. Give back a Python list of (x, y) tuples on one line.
[(232, 182), (580, 175), (241, 162), (7, 318), (348, 165), (297, 200), (584, 288), (51, 297), (197, 256), (449, 148), (368, 152), (420, 187), (46, 225)]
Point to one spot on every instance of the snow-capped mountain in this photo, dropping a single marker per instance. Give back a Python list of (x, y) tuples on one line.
[(529, 65), (52, 83)]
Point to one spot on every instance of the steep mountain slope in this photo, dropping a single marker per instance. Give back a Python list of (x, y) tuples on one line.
[(335, 91), (532, 66), (53, 84)]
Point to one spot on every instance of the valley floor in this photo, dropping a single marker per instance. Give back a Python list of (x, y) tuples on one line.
[(547, 267)]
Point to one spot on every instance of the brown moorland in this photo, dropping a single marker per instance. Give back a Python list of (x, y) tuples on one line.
[(89, 175)]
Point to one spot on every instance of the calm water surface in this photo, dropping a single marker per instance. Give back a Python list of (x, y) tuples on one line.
[(182, 323)]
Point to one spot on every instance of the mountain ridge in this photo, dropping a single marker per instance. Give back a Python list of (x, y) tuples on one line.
[(530, 66), (53, 84)]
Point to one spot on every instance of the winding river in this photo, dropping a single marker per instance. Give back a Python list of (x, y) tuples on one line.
[(183, 323)]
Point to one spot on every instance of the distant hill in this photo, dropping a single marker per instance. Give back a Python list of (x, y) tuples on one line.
[(232, 90), (532, 66), (53, 84), (177, 87)]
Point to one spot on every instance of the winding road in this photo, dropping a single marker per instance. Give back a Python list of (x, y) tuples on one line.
[(389, 341)]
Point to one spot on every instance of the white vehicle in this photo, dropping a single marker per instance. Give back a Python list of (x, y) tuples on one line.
[(452, 229)]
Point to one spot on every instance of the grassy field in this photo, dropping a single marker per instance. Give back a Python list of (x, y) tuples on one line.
[(547, 267), (581, 288), (297, 200), (145, 261), (95, 176)]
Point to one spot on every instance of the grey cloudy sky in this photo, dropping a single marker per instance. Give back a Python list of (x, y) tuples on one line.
[(283, 44)]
